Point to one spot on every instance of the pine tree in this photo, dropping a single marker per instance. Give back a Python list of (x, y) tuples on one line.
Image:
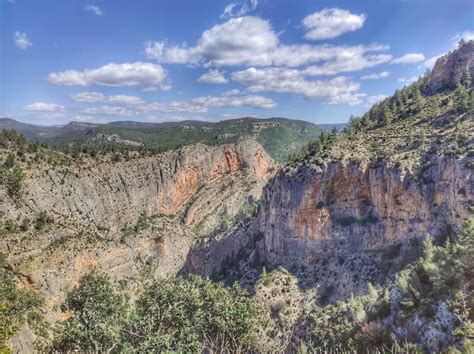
[(462, 98), (466, 78), (386, 114), (9, 161)]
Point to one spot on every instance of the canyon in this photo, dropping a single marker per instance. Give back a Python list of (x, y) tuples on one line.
[(351, 210)]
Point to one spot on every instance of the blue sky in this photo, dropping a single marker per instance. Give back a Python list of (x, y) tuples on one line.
[(169, 60)]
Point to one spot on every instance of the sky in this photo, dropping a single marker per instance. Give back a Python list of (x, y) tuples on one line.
[(172, 60)]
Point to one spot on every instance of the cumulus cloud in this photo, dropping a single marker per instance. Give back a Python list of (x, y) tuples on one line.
[(409, 58), (213, 77), (127, 74), (241, 8), (21, 40), (43, 107), (293, 81), (110, 111), (376, 76), (135, 106), (347, 59), (251, 41), (94, 9), (233, 92), (92, 97), (89, 97), (201, 104), (124, 99), (330, 23)]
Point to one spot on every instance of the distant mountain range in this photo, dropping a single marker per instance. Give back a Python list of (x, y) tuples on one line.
[(279, 136)]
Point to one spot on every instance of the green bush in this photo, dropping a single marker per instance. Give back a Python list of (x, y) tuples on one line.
[(172, 314), (17, 306), (99, 314)]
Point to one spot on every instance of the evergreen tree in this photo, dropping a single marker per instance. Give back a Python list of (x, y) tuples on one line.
[(466, 78), (462, 98), (386, 114), (9, 161)]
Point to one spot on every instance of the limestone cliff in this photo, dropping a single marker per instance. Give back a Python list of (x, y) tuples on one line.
[(127, 217), (334, 213), (111, 194), (450, 68)]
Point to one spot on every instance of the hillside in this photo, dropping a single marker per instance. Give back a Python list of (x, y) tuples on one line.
[(280, 137)]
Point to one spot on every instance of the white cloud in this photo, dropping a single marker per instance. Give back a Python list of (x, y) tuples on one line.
[(109, 111), (127, 74), (241, 8), (330, 23), (43, 107), (251, 41), (293, 81), (466, 35), (21, 40), (135, 104), (376, 76), (348, 59), (376, 99), (89, 97), (409, 58), (232, 101), (233, 92), (92, 97), (239, 41), (124, 99), (201, 104), (213, 77), (408, 81), (94, 9)]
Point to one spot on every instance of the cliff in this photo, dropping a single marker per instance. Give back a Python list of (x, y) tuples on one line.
[(125, 218), (334, 214), (354, 207), (450, 68)]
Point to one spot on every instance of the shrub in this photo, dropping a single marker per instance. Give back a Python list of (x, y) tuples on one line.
[(17, 306), (98, 317)]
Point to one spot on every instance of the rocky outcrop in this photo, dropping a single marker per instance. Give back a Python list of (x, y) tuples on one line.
[(343, 225), (113, 194), (341, 222), (449, 69), (347, 208)]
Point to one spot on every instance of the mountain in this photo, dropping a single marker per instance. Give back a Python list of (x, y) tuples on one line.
[(361, 242), (280, 137)]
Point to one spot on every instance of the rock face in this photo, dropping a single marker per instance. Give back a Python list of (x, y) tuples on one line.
[(342, 222), (449, 69), (347, 208), (341, 226), (109, 195)]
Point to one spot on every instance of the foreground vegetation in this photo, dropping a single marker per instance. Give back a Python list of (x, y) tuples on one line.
[(193, 314)]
